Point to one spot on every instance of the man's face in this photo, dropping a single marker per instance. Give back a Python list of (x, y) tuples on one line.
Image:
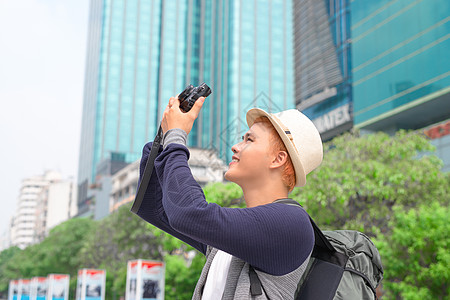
[(252, 157)]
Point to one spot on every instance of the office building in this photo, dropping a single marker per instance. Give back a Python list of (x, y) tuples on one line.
[(5, 239), (399, 55), (246, 55), (54, 205), (124, 186), (24, 221), (322, 48), (401, 67), (142, 52), (374, 65)]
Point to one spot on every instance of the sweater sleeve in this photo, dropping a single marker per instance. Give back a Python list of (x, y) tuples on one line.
[(275, 238), (152, 210)]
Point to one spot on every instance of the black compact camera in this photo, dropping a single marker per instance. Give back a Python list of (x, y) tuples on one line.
[(191, 94)]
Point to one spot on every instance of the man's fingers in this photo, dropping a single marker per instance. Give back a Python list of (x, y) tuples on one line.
[(195, 110), (171, 101), (176, 101)]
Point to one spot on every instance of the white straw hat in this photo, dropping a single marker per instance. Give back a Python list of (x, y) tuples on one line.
[(299, 135)]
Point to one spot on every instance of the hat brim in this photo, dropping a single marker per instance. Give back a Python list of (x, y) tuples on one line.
[(300, 174)]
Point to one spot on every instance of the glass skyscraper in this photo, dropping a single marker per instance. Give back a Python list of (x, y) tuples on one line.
[(323, 64), (401, 63), (401, 68), (142, 52), (244, 50)]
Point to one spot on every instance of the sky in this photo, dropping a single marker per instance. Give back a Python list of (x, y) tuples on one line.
[(42, 62)]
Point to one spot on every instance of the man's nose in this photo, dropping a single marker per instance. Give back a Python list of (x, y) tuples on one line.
[(235, 148)]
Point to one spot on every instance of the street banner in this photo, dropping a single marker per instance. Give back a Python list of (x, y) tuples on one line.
[(79, 289), (91, 284), (58, 287), (145, 280), (24, 289), (13, 289), (19, 288), (130, 290), (38, 288)]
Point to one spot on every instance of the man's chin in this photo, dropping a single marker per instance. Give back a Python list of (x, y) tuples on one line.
[(226, 176), (232, 177), (229, 176)]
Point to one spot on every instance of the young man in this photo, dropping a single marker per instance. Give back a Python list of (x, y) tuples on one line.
[(274, 239)]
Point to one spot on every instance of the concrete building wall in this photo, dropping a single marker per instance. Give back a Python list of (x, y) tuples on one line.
[(45, 201), (24, 225), (5, 240), (124, 186), (58, 204), (101, 197)]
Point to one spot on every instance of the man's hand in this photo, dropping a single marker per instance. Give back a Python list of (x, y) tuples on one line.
[(173, 117)]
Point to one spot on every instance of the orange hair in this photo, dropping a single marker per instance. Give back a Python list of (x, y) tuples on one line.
[(288, 175)]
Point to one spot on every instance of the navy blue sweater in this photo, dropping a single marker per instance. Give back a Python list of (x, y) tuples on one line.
[(275, 238)]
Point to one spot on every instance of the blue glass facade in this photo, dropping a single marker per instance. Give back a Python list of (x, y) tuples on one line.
[(142, 52), (248, 59), (400, 57), (136, 54)]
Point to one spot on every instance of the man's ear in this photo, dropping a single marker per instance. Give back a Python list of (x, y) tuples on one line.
[(279, 159)]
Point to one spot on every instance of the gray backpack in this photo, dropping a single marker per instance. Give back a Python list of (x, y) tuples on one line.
[(344, 264), (363, 270)]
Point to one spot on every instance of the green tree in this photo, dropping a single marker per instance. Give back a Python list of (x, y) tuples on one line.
[(365, 181), (58, 253), (5, 256), (116, 239), (415, 255), (180, 277), (362, 178), (226, 195)]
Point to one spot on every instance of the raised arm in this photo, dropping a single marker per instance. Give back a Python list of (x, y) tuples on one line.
[(152, 210)]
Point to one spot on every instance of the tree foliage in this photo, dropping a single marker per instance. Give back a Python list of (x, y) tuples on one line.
[(362, 178), (180, 277), (415, 255), (58, 253), (120, 237), (5, 256), (377, 184)]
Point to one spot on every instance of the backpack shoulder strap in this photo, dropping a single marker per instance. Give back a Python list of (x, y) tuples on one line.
[(320, 239), (255, 283), (322, 249)]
